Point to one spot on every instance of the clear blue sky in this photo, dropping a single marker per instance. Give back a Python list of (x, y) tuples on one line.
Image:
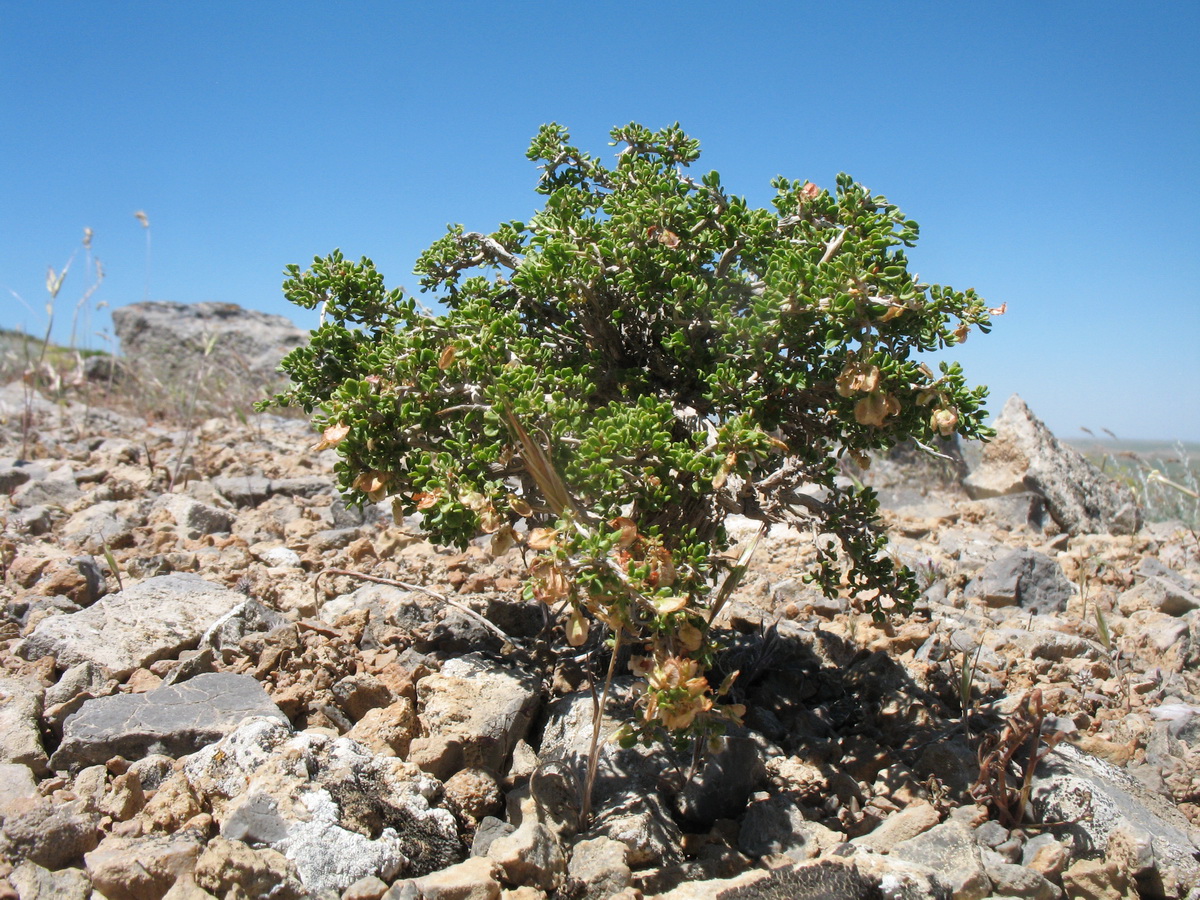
[(1049, 150)]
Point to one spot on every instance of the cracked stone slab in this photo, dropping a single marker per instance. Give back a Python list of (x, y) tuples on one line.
[(174, 720), (157, 619)]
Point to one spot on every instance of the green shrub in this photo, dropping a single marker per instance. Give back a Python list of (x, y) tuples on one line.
[(613, 379)]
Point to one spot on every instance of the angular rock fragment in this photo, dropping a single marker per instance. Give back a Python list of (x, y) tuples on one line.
[(479, 709), (336, 811), (1023, 578), (173, 720), (1026, 456), (20, 732), (154, 620)]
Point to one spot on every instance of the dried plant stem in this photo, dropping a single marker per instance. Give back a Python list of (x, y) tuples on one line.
[(598, 708), (437, 595)]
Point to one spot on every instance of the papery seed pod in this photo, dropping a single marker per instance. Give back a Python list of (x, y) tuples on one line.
[(944, 421), (502, 541), (541, 539), (577, 629), (331, 437), (690, 637), (872, 409), (628, 531)]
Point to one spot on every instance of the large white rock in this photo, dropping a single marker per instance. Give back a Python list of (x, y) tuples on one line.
[(157, 619), (1026, 456)]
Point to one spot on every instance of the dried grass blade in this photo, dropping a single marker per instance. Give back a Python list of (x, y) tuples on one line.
[(538, 462)]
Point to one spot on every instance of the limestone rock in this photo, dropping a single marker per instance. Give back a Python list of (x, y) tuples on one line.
[(483, 707), (477, 878), (225, 864), (20, 734), (49, 835), (156, 619), (36, 883), (171, 338), (141, 868), (1025, 456), (902, 826), (530, 856), (337, 812), (600, 866), (16, 783)]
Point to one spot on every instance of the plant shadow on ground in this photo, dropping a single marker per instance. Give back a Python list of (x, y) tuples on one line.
[(853, 715)]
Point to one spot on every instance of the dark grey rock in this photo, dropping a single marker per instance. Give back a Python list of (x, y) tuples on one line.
[(243, 490), (1025, 510), (80, 683), (1023, 578), (173, 720), (56, 490), (332, 539), (96, 584), (302, 486), (776, 825), (37, 520), (346, 516), (490, 828), (1026, 456), (15, 472)]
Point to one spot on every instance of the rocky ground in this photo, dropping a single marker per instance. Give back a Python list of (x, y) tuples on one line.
[(216, 680)]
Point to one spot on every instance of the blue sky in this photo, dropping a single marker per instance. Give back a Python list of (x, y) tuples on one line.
[(1049, 151)]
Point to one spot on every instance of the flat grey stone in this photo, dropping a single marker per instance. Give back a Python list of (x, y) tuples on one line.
[(157, 619), (1023, 578), (243, 490), (173, 720)]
